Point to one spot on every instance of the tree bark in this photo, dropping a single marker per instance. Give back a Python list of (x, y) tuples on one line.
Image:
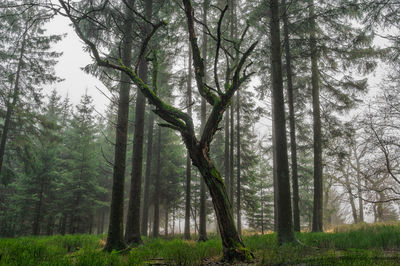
[(351, 199), (203, 203), (132, 234), (274, 173), (188, 162), (147, 180), (285, 225), (318, 188), (292, 119), (156, 197), (231, 153), (115, 238), (233, 247), (238, 185)]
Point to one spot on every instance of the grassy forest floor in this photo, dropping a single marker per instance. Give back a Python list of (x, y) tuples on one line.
[(363, 244)]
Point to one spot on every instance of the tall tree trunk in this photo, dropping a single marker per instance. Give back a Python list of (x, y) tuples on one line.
[(115, 238), (11, 105), (156, 197), (147, 180), (188, 161), (285, 225), (318, 189), (132, 234), (274, 173), (203, 198), (293, 147), (238, 185)]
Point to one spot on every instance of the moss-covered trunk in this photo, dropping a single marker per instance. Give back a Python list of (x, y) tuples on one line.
[(233, 247)]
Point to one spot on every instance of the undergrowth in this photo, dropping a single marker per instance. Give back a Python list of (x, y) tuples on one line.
[(353, 245)]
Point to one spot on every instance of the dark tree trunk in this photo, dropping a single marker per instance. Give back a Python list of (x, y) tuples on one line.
[(115, 238), (233, 247), (285, 225), (132, 234), (318, 189), (11, 105), (157, 184), (203, 203), (147, 180), (50, 225), (63, 224), (188, 161), (293, 147), (238, 186)]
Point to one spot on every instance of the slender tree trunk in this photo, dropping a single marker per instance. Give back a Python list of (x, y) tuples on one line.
[(274, 173), (318, 189), (285, 225), (11, 105), (226, 152), (351, 199), (231, 154), (156, 197), (203, 202), (115, 238), (292, 119), (147, 180), (166, 219), (63, 226), (359, 187), (326, 202), (238, 186), (132, 234), (188, 161)]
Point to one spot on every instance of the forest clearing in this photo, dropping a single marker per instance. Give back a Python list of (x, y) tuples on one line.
[(189, 132)]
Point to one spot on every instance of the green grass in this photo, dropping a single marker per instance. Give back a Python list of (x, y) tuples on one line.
[(353, 245)]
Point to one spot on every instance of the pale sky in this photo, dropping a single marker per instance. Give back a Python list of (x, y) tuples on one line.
[(70, 64)]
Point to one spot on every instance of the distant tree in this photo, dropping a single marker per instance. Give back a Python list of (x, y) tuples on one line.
[(27, 61)]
